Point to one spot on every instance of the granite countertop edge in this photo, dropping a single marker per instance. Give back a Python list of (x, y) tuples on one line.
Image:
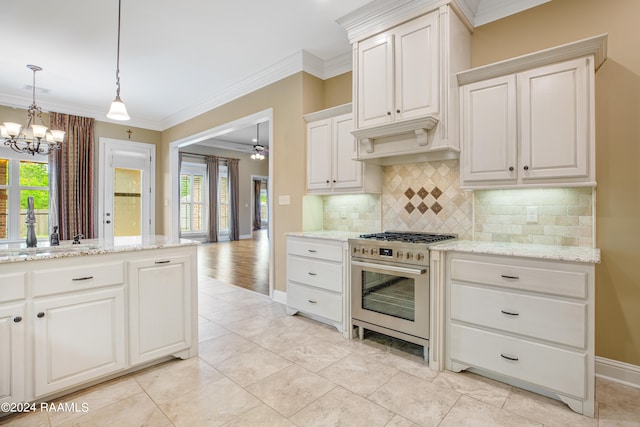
[(341, 236), (549, 252), (90, 247)]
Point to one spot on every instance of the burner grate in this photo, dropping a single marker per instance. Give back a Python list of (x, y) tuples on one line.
[(409, 237)]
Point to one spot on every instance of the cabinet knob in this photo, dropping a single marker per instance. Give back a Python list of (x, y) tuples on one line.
[(17, 319), (334, 181), (327, 181), (388, 113), (510, 168), (526, 168), (108, 222), (398, 111), (40, 315)]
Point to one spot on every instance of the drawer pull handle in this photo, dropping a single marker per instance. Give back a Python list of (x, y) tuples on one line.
[(312, 301), (504, 276), (313, 251), (163, 262), (312, 274), (509, 313), (17, 319), (77, 279), (506, 356)]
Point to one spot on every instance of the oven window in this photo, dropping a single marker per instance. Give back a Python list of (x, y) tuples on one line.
[(389, 294)]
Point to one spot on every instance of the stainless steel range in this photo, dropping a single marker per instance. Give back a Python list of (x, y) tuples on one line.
[(390, 284)]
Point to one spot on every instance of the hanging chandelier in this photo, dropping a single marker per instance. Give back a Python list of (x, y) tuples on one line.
[(33, 138), (118, 111), (258, 149)]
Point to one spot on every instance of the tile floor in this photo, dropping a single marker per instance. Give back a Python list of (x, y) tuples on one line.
[(261, 367)]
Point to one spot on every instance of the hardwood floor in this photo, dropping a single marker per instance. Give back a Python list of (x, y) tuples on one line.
[(243, 263)]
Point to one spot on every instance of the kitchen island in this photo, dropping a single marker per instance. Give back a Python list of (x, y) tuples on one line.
[(77, 314)]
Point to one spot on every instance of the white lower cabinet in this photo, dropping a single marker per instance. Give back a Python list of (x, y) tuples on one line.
[(526, 322), (12, 352), (77, 338), (159, 307), (316, 278)]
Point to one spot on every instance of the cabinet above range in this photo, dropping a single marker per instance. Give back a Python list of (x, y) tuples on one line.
[(405, 93), (530, 120)]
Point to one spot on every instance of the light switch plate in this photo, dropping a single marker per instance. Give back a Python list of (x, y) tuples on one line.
[(284, 200), (532, 214)]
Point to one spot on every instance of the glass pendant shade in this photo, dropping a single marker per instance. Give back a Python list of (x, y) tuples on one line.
[(39, 131), (12, 129), (118, 111)]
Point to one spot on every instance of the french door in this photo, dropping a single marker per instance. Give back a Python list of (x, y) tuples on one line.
[(126, 196)]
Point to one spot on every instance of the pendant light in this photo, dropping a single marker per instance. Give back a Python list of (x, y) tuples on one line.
[(118, 111), (258, 149)]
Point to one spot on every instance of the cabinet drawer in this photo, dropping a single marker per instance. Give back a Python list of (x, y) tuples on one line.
[(58, 280), (546, 280), (12, 287), (544, 318), (325, 275), (560, 370), (315, 301), (308, 248)]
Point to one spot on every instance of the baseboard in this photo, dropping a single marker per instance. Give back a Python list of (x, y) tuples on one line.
[(620, 372), (246, 236), (279, 296)]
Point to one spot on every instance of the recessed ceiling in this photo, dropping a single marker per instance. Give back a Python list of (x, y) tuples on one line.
[(178, 58)]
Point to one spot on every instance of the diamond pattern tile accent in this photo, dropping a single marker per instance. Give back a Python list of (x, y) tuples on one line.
[(436, 192), (422, 193), (409, 193), (423, 208), (436, 208), (409, 207)]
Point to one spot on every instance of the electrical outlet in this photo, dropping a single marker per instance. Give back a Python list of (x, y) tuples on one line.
[(532, 214)]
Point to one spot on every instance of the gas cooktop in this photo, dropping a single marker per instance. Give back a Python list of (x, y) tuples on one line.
[(408, 237)]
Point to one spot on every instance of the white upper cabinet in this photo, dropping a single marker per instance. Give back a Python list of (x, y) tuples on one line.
[(405, 93), (331, 150), (398, 73), (533, 123)]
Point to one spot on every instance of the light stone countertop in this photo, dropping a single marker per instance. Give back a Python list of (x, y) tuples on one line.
[(17, 252), (341, 236), (550, 252)]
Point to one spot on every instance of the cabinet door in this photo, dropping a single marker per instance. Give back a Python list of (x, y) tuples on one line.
[(78, 337), (159, 307), (375, 81), (347, 172), (417, 67), (555, 120), (319, 155), (489, 134), (12, 352)]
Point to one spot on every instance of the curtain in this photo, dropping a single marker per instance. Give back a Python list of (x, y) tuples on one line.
[(212, 176), (257, 218), (234, 195), (72, 172)]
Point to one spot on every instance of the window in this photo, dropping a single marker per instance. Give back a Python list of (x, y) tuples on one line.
[(192, 198), (223, 200), (264, 209), (22, 176)]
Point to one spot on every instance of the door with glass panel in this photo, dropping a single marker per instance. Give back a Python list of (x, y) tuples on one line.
[(126, 188)]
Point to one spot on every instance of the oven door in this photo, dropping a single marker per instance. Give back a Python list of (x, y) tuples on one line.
[(391, 296)]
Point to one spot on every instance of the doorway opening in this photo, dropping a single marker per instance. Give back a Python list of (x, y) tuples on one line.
[(247, 261)]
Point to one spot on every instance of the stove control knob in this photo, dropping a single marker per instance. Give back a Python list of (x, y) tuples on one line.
[(374, 251), (409, 255), (356, 250), (419, 257), (399, 254), (365, 251)]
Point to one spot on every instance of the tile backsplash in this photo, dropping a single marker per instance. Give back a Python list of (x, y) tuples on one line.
[(426, 197), (564, 216)]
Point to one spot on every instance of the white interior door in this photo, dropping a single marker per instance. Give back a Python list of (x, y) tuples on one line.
[(127, 181)]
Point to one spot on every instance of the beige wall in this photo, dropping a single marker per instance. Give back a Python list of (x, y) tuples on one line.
[(617, 145)]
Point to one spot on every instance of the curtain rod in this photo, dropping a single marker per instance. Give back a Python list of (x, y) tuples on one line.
[(209, 155)]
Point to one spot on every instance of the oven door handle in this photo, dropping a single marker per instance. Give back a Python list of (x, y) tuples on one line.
[(417, 271)]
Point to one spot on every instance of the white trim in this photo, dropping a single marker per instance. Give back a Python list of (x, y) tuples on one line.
[(620, 372), (280, 296)]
